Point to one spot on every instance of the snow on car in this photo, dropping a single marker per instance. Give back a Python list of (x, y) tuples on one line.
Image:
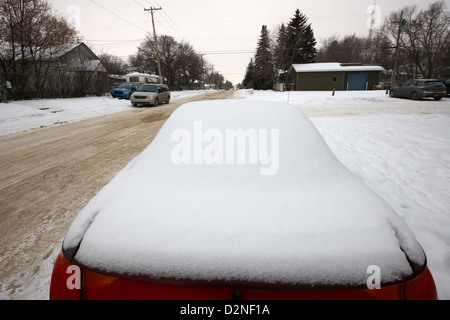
[(239, 199)]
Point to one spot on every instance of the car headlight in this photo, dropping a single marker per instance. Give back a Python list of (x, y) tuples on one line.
[(150, 97)]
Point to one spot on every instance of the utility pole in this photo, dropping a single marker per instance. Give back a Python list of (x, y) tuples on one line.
[(156, 42), (203, 80), (401, 24)]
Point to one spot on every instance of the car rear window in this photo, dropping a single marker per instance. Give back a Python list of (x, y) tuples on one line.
[(148, 88), (433, 83)]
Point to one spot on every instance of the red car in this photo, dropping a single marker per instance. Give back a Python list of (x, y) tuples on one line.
[(239, 200)]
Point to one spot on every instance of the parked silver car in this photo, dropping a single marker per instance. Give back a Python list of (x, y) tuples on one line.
[(447, 85), (151, 94), (417, 89)]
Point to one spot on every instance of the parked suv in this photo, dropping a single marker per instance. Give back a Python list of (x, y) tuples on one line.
[(447, 85), (151, 94), (417, 89), (124, 91)]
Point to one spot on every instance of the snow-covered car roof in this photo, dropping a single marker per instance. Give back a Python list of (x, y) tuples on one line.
[(289, 213)]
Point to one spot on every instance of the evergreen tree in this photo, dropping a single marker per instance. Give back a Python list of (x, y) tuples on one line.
[(280, 53), (308, 46), (300, 41), (263, 66), (295, 43), (249, 74)]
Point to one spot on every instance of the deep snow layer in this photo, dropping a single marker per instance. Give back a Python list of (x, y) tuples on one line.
[(400, 148), (309, 222)]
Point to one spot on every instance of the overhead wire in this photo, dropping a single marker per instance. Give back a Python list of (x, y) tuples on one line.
[(129, 22), (171, 23)]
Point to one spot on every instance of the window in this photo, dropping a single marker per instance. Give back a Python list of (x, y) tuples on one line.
[(148, 88), (433, 83)]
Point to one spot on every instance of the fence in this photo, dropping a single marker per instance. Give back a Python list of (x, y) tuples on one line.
[(66, 84)]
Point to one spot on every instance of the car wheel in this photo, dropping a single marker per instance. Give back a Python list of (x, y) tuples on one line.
[(438, 98), (156, 103), (168, 100), (414, 96), (391, 93)]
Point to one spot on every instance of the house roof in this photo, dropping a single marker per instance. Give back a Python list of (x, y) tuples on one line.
[(43, 53), (62, 50), (334, 66)]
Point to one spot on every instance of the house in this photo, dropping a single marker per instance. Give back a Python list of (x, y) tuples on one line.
[(334, 76), (65, 71), (80, 71)]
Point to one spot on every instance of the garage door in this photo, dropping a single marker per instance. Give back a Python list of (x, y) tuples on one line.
[(357, 81)]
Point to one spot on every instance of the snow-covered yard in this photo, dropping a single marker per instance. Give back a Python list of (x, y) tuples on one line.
[(400, 148), (35, 114)]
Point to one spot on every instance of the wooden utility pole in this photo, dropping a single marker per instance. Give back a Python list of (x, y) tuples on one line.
[(156, 43)]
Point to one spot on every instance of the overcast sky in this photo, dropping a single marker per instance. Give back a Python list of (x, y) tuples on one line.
[(226, 31)]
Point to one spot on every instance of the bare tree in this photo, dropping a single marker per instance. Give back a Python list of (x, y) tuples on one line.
[(349, 49), (34, 34), (423, 46), (181, 65), (424, 40), (429, 37), (112, 63)]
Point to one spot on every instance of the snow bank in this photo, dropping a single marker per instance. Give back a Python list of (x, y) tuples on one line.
[(405, 159), (34, 114), (349, 103), (312, 223), (19, 116)]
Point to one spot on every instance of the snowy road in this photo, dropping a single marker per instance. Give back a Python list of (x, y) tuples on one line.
[(400, 148), (48, 175)]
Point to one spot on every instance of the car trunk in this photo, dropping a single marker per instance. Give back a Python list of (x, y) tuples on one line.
[(180, 211)]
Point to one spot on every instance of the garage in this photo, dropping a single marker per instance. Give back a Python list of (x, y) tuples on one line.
[(334, 76), (357, 81)]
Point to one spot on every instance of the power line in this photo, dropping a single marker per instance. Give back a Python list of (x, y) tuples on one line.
[(115, 40), (129, 22), (227, 52), (144, 9), (171, 22)]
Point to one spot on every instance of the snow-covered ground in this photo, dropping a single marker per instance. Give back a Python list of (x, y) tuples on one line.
[(35, 114), (400, 148)]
